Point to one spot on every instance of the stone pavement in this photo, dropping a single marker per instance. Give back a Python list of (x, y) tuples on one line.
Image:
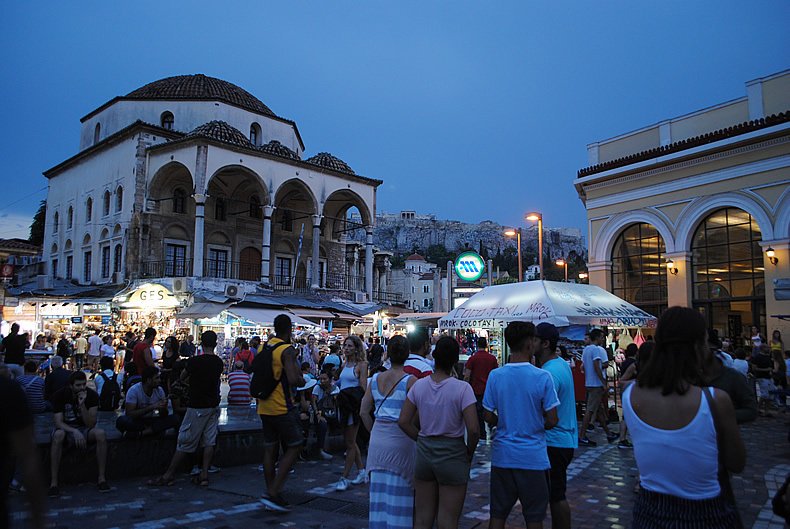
[(600, 492)]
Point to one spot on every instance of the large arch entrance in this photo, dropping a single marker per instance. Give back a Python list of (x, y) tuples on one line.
[(728, 277), (639, 274)]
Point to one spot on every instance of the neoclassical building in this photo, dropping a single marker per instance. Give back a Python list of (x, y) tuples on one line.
[(695, 211), (193, 177)]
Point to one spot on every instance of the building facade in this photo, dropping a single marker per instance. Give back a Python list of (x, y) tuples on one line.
[(695, 211), (192, 182)]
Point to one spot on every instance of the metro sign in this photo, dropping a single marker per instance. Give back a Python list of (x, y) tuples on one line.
[(7, 270), (469, 266)]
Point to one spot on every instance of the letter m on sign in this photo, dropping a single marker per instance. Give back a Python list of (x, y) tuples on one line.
[(469, 266)]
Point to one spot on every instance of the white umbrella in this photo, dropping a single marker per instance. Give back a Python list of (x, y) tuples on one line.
[(562, 304)]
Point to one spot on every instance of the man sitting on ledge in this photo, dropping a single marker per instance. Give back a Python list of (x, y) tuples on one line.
[(143, 401), (75, 412)]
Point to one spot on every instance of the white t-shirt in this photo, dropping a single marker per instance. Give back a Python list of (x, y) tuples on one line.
[(94, 345), (137, 396), (592, 354), (107, 350)]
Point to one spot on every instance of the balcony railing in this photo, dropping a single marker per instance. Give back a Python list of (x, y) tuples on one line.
[(174, 268), (349, 282), (381, 296), (298, 285)]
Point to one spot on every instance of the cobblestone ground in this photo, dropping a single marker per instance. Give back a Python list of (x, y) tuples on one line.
[(600, 492)]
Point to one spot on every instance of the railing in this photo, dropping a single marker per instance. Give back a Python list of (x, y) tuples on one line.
[(334, 281), (174, 268), (387, 297), (231, 270), (298, 285)]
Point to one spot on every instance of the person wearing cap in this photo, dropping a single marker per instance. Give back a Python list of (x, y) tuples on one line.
[(478, 367), (562, 439), (520, 400)]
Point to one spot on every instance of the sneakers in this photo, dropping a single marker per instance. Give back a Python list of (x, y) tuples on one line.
[(612, 437), (625, 443), (586, 442), (591, 427), (325, 456), (342, 484), (362, 477), (53, 491), (104, 487), (277, 504), (212, 469)]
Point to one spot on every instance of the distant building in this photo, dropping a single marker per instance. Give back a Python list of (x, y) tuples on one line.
[(707, 193)]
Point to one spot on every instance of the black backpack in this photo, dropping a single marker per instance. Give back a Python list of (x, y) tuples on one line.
[(110, 393), (263, 382)]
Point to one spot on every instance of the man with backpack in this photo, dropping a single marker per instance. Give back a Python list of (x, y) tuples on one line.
[(107, 386), (146, 408), (275, 371)]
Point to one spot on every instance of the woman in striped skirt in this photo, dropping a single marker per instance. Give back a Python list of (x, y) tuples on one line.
[(391, 453), (674, 419)]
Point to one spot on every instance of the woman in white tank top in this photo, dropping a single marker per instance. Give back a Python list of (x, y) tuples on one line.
[(353, 381), (674, 434)]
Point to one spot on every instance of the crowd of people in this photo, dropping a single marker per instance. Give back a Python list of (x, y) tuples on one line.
[(419, 414)]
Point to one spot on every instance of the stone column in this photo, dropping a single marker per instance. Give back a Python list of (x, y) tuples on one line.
[(200, 222), (314, 282), (369, 261), (266, 245)]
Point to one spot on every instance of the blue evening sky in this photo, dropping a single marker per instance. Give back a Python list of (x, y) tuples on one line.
[(469, 110)]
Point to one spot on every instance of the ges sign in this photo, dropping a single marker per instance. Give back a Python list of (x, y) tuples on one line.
[(469, 266)]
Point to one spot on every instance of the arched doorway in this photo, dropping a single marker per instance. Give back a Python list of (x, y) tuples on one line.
[(639, 274), (250, 264), (728, 278)]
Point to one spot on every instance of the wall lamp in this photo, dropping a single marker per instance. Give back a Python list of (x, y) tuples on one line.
[(771, 256), (671, 267)]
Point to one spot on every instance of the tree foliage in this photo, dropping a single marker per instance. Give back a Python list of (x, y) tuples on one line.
[(37, 226)]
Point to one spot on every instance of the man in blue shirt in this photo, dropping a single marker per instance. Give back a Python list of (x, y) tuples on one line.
[(521, 402), (562, 439)]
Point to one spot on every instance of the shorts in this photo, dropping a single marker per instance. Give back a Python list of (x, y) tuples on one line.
[(70, 441), (286, 428), (559, 459), (594, 396), (530, 487), (442, 459), (765, 385), (199, 428)]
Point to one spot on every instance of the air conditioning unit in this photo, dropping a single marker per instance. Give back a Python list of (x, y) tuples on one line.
[(234, 291), (117, 278), (43, 282), (180, 285), (360, 297)]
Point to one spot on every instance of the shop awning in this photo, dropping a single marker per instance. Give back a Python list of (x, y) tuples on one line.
[(312, 313), (203, 310), (265, 316), (425, 318)]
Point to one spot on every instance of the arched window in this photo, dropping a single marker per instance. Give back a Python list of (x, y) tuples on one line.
[(96, 133), (70, 218), (255, 134), (167, 120), (117, 257), (55, 220), (639, 272), (179, 201), (119, 199), (106, 208), (220, 209), (728, 278), (88, 209), (255, 207), (286, 220)]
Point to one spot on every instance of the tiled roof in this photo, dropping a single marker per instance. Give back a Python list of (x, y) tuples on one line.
[(278, 149), (199, 86), (721, 134), (219, 130), (18, 244), (415, 257), (324, 159)]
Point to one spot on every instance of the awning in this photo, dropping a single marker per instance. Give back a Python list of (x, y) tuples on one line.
[(429, 318), (203, 310), (263, 316), (312, 313)]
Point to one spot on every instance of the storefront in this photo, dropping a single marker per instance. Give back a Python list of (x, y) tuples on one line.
[(150, 305)]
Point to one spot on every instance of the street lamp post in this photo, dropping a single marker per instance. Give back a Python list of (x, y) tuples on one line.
[(539, 217), (510, 233), (563, 262)]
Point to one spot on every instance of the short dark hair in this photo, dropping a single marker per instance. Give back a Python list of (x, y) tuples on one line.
[(150, 332), (328, 369), (518, 333), (482, 343), (417, 338), (398, 350), (208, 339), (149, 372), (631, 350), (30, 366), (446, 353), (131, 369), (106, 363), (77, 376), (305, 365), (595, 334), (282, 326)]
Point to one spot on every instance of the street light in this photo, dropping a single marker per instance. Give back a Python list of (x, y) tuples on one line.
[(511, 232), (539, 217), (583, 276), (563, 262)]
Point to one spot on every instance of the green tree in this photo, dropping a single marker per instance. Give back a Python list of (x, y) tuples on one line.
[(438, 254), (37, 227)]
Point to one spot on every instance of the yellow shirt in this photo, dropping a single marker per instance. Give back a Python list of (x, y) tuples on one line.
[(281, 399)]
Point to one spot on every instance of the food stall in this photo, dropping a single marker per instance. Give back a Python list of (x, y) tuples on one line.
[(149, 305)]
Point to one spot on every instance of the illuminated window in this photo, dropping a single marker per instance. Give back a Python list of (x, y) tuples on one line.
[(639, 272)]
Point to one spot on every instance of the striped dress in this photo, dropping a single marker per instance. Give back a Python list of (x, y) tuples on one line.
[(390, 462)]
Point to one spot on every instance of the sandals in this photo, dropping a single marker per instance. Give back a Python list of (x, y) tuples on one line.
[(196, 480), (161, 482)]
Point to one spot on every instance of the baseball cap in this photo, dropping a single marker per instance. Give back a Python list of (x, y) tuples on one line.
[(547, 331)]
